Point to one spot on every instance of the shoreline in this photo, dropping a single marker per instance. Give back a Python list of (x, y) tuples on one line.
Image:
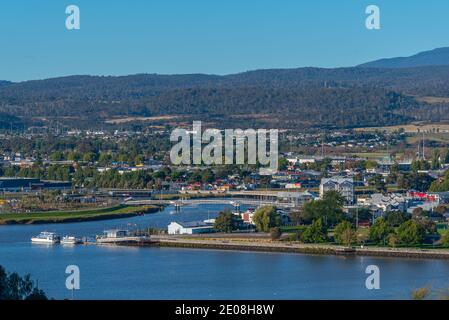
[(442, 254), (64, 217)]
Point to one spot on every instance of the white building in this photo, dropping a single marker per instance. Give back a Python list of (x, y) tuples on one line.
[(343, 185), (297, 198), (190, 227)]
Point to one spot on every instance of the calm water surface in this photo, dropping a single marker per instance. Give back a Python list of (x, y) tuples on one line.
[(168, 273)]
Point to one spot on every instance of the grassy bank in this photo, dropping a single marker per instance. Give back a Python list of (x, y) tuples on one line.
[(120, 211)]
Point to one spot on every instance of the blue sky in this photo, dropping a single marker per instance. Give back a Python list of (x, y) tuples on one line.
[(209, 36)]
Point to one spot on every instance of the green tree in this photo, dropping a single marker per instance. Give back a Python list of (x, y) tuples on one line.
[(265, 218), (393, 239), (396, 218), (14, 287), (227, 222), (378, 182), (445, 239), (410, 233), (104, 158), (282, 164), (57, 156), (73, 156), (329, 209), (380, 230), (440, 186), (344, 233), (89, 157), (315, 233)]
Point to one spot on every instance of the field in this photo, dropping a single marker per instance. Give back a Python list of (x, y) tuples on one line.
[(411, 128), (120, 211), (144, 119), (433, 100)]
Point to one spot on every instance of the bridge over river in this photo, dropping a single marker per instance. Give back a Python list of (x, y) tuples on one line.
[(234, 201)]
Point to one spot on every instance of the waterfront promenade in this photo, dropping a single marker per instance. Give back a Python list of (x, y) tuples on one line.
[(265, 245)]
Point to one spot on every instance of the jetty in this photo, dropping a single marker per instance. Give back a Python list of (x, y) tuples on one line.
[(123, 237)]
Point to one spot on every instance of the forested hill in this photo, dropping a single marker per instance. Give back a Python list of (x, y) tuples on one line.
[(304, 97), (4, 83), (436, 57)]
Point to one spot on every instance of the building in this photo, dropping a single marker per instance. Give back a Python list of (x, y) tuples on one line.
[(248, 216), (116, 233), (343, 185), (296, 198), (28, 184), (195, 227), (385, 202), (17, 184)]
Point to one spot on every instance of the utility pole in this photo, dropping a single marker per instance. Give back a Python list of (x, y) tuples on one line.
[(423, 150), (322, 145)]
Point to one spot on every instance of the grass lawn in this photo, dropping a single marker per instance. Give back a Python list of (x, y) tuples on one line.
[(74, 216)]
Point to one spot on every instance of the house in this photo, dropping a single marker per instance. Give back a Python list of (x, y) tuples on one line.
[(297, 198), (343, 185), (248, 216), (382, 203), (195, 227)]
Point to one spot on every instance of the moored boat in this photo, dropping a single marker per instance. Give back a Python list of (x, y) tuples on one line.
[(70, 240), (46, 238)]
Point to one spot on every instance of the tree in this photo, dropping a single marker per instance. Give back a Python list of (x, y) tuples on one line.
[(370, 164), (380, 230), (296, 216), (445, 239), (14, 287), (57, 156), (282, 164), (393, 239), (265, 218), (418, 213), (396, 218), (446, 157), (315, 233), (275, 233), (378, 182), (227, 222), (344, 233), (441, 186), (89, 157), (329, 209), (410, 233)]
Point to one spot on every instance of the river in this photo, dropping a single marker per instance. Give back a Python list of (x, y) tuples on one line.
[(169, 273)]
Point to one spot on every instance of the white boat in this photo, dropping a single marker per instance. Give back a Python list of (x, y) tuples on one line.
[(46, 238), (70, 240)]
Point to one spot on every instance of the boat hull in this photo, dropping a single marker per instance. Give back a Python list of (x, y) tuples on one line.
[(43, 241)]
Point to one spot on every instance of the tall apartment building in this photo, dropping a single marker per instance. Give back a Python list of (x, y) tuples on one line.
[(343, 185)]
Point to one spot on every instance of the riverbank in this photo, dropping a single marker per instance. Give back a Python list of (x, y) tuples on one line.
[(116, 212), (268, 246)]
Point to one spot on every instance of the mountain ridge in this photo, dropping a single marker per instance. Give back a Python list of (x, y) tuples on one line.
[(435, 57), (306, 97)]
